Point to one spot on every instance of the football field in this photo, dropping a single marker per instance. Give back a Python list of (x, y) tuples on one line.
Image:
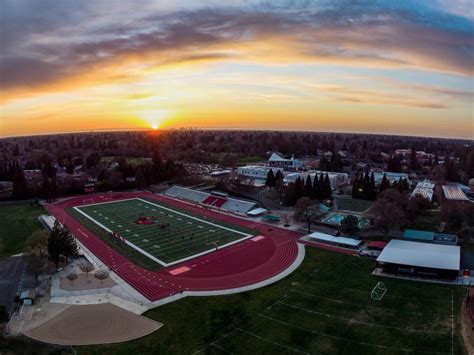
[(161, 233)]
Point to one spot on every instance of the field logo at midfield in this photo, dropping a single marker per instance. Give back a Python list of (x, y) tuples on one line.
[(203, 235)]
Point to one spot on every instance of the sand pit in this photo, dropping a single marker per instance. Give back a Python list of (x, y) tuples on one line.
[(93, 324), (84, 282)]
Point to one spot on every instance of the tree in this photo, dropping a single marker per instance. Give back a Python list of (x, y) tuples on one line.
[(92, 160), (71, 277), (270, 181), (416, 206), (86, 267), (385, 183), (36, 252), (55, 244), (308, 187), (350, 225), (61, 243), (304, 209), (101, 275), (70, 248), (140, 180), (389, 211), (453, 215), (20, 186)]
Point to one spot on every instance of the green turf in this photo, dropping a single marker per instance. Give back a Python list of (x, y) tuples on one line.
[(18, 220), (323, 307), (344, 203), (184, 237)]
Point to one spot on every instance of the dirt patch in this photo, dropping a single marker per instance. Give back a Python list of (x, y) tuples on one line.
[(93, 324), (84, 282)]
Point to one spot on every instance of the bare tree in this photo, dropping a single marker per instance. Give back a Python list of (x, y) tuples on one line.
[(86, 267), (286, 219), (102, 275), (36, 252), (71, 277)]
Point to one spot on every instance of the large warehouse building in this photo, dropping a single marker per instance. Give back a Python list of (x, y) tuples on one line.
[(406, 258)]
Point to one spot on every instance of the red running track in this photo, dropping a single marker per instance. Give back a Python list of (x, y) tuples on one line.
[(238, 265)]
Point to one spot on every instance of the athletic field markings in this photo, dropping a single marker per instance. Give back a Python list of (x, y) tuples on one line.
[(348, 320), (273, 342), (368, 292), (368, 305), (344, 339), (164, 250)]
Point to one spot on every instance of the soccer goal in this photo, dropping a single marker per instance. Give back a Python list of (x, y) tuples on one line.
[(213, 238), (378, 292)]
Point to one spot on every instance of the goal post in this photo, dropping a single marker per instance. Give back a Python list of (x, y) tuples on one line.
[(213, 238), (378, 292)]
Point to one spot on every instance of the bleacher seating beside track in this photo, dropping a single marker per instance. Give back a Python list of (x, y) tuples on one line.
[(225, 203), (187, 194), (238, 206)]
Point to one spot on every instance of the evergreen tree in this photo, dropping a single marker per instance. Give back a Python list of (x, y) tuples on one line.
[(385, 184), (55, 244), (316, 188), (327, 188), (373, 189), (140, 180), (69, 245), (270, 181), (355, 186), (298, 188), (157, 167), (20, 185), (308, 187)]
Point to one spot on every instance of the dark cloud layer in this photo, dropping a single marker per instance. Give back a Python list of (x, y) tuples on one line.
[(49, 40)]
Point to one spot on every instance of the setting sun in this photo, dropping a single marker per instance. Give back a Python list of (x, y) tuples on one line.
[(154, 126)]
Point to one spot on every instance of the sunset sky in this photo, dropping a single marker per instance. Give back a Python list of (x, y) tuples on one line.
[(397, 67)]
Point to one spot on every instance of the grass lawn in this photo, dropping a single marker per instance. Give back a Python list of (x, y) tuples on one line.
[(18, 220), (344, 203), (323, 307)]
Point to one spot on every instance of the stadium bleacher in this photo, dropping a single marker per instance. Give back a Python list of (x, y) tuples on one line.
[(238, 206), (187, 194), (215, 201), (225, 203)]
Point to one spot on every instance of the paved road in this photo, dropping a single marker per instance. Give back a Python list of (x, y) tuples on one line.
[(11, 270)]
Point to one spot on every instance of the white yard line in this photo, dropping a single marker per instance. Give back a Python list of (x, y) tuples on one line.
[(340, 338), (348, 320), (273, 342), (161, 262)]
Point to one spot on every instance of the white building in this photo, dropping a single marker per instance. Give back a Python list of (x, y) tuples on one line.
[(425, 189), (277, 160), (257, 171)]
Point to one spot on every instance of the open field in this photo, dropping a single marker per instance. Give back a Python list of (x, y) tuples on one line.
[(350, 204), (171, 237), (18, 220), (323, 307)]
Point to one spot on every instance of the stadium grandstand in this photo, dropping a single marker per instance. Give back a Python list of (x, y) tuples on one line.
[(187, 194), (215, 200)]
